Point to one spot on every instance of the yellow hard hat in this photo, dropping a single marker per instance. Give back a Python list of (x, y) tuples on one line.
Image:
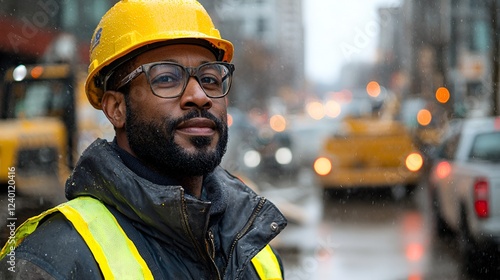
[(132, 24)]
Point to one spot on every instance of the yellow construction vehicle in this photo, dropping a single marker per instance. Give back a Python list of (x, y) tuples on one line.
[(45, 121), (374, 150)]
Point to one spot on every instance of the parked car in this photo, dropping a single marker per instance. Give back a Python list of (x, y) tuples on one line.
[(464, 184)]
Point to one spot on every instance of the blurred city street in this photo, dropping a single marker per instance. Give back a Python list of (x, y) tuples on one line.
[(363, 234)]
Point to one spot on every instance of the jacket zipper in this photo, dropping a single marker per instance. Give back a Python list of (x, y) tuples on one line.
[(247, 226), (211, 251), (211, 244), (193, 239)]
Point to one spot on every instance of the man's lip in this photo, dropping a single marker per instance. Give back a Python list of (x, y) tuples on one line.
[(197, 126)]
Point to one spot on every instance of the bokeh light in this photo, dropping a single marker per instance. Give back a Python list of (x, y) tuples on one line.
[(322, 166), (424, 117), (373, 89), (442, 95), (230, 120), (315, 110), (332, 109), (414, 162), (278, 123)]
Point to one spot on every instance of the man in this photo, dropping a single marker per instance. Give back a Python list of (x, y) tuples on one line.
[(154, 203)]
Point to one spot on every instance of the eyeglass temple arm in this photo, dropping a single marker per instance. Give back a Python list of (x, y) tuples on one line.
[(130, 77)]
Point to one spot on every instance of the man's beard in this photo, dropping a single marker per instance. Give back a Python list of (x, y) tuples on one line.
[(153, 143)]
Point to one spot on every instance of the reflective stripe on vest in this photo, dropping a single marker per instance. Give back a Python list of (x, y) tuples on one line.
[(116, 254), (266, 264)]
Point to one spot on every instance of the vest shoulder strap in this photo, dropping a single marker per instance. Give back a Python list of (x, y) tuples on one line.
[(115, 253), (266, 264)]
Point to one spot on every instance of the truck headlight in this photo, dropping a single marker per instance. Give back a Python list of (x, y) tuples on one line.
[(414, 162), (322, 166)]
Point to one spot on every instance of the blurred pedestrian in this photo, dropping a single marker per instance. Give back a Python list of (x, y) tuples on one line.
[(154, 202)]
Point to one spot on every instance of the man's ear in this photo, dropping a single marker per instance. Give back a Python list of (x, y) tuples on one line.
[(114, 107)]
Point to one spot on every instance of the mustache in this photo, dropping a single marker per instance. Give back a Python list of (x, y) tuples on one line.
[(219, 123)]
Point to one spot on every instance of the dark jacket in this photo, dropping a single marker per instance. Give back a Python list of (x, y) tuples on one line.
[(179, 236)]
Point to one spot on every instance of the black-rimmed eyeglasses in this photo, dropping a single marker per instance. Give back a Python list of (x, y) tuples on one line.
[(169, 79)]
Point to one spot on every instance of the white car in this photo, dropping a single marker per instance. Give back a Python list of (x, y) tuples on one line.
[(465, 189)]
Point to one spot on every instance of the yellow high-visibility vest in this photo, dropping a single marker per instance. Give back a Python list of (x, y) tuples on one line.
[(115, 253)]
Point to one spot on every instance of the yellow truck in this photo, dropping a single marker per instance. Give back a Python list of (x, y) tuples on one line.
[(45, 121), (369, 151)]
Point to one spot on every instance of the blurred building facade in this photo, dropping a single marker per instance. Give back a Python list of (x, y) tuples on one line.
[(447, 43), (32, 31), (269, 41)]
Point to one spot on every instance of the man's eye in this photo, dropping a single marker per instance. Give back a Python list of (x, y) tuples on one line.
[(210, 80), (165, 80)]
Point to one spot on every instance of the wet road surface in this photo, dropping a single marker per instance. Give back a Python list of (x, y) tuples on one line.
[(368, 234)]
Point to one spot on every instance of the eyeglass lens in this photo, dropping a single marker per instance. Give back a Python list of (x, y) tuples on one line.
[(169, 80)]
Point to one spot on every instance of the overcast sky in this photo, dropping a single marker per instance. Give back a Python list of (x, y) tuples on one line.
[(338, 32)]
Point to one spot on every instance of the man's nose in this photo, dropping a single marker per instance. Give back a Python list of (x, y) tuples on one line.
[(194, 95)]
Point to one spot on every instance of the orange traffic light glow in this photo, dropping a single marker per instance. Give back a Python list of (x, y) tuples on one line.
[(424, 117), (373, 89), (278, 123), (442, 95)]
